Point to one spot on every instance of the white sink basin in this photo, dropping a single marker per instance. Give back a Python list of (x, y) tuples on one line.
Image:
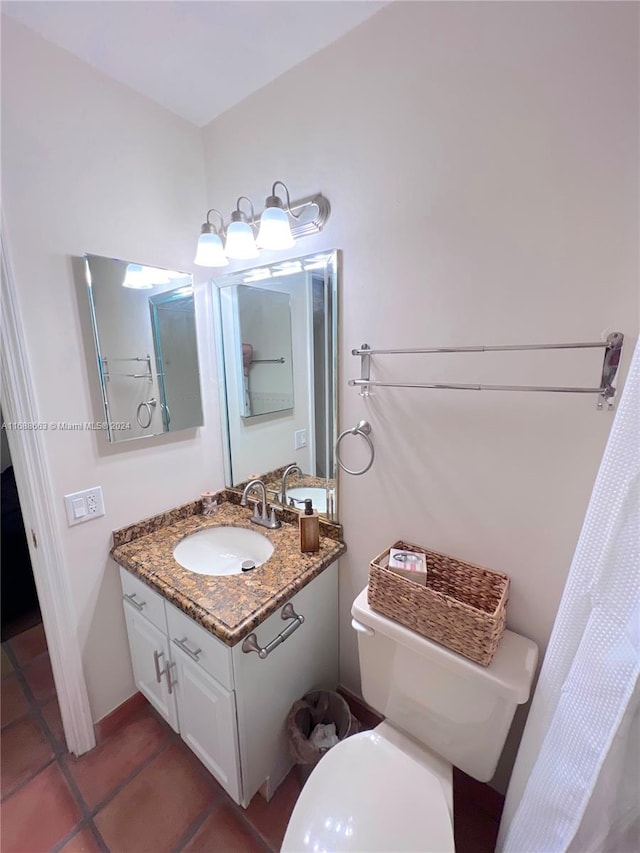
[(317, 495), (222, 550)]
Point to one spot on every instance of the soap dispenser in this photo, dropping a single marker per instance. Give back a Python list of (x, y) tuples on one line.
[(309, 529)]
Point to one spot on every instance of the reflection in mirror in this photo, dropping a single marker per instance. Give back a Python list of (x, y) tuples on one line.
[(264, 324), (287, 311), (145, 335)]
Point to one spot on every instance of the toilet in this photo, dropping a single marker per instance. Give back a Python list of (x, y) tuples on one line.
[(390, 789)]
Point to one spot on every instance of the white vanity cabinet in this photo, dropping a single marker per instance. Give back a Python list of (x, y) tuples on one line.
[(229, 705), (149, 645)]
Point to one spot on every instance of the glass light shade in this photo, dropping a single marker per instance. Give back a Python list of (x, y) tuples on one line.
[(137, 278), (210, 252), (275, 231), (240, 244)]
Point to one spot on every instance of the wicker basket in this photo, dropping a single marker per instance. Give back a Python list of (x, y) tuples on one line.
[(463, 606)]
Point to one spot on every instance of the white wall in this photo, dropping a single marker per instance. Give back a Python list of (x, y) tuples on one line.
[(89, 166), (481, 161)]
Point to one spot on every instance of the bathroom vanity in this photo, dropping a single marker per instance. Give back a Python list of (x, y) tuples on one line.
[(192, 636)]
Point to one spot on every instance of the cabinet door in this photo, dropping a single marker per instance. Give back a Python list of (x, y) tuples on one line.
[(208, 722), (150, 655)]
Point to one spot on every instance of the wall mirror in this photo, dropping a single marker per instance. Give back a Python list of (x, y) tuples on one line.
[(277, 339), (144, 330)]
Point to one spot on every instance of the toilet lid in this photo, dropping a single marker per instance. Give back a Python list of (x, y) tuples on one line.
[(366, 794)]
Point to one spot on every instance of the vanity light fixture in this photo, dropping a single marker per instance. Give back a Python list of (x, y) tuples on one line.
[(241, 244), (210, 252), (280, 226)]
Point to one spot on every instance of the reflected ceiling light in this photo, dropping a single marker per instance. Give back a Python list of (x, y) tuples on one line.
[(257, 275), (241, 244), (280, 226), (275, 230), (137, 277), (210, 252), (289, 268)]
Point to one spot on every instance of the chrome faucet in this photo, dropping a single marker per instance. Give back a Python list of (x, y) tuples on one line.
[(290, 470), (260, 516)]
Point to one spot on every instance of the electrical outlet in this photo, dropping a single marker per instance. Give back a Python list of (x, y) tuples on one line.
[(300, 438), (84, 506)]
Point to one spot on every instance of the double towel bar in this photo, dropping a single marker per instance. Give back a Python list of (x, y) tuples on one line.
[(606, 390)]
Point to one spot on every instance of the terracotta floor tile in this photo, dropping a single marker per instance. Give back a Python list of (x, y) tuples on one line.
[(7, 666), (114, 721), (14, 701), (271, 819), (98, 772), (40, 678), (83, 841), (25, 750), (29, 645), (157, 807), (51, 714), (40, 814), (225, 830)]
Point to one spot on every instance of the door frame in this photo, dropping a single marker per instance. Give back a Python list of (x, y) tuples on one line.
[(33, 479)]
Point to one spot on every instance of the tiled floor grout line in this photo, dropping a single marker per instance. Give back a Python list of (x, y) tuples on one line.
[(61, 758), (247, 820), (254, 829), (93, 812), (195, 826), (67, 838), (34, 711)]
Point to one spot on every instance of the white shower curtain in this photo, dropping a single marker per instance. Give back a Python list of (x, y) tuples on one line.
[(576, 782)]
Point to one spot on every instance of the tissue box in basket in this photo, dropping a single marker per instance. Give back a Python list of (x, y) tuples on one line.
[(411, 565), (462, 606)]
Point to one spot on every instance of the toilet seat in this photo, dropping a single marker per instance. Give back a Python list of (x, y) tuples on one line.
[(369, 794)]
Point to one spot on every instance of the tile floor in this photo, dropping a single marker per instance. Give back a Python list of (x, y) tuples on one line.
[(142, 789)]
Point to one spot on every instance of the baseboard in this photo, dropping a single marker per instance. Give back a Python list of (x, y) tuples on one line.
[(115, 719), (367, 715)]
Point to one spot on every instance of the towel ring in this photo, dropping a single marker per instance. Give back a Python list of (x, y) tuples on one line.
[(363, 429), (147, 405)]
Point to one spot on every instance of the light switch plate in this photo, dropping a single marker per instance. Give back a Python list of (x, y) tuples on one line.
[(84, 506), (300, 438)]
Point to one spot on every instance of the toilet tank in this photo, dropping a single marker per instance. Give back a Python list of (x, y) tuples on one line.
[(455, 707)]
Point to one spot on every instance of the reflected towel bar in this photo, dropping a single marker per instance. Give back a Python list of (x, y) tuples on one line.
[(606, 389), (107, 374)]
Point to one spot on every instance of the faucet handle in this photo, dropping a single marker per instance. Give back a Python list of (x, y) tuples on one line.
[(274, 521), (256, 503)]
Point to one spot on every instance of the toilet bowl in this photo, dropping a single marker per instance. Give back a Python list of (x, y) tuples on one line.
[(390, 789), (375, 791)]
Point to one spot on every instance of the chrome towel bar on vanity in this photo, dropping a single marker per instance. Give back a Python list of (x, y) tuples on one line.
[(250, 643)]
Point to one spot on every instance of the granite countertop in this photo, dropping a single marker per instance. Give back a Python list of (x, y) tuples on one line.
[(231, 606)]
